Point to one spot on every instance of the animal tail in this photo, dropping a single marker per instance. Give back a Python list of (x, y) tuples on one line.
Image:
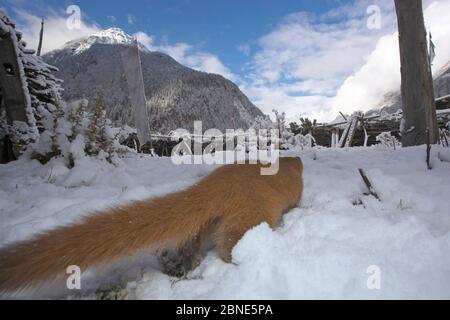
[(166, 222)]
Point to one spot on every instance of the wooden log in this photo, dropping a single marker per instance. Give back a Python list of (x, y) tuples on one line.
[(368, 184)]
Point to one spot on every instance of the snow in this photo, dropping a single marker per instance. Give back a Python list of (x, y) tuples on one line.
[(323, 250), (108, 36), (443, 111), (245, 115), (35, 197), (444, 97)]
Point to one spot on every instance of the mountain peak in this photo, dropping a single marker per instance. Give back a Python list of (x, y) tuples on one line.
[(107, 36), (112, 36)]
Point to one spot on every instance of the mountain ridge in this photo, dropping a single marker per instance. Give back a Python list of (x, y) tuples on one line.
[(392, 100), (176, 95)]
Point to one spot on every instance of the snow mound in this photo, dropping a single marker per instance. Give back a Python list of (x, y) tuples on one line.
[(327, 249)]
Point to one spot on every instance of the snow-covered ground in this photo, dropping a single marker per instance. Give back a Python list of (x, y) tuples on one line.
[(329, 248)]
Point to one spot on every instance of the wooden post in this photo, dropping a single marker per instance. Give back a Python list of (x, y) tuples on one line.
[(444, 136), (419, 109), (351, 132), (366, 137), (428, 149), (7, 152), (334, 137), (344, 136), (41, 38)]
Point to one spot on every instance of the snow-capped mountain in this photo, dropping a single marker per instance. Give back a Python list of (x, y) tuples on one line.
[(108, 36), (176, 95), (392, 101)]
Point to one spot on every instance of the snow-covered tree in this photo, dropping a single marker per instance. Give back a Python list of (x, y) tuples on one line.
[(388, 140), (303, 141), (97, 138), (53, 128), (287, 138), (285, 133), (263, 122), (445, 136), (295, 128), (307, 126), (262, 125), (76, 133), (41, 89)]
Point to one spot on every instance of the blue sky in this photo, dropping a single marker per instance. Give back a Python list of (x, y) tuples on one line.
[(215, 26), (307, 58)]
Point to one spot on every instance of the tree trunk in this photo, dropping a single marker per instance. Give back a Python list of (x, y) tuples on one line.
[(419, 108)]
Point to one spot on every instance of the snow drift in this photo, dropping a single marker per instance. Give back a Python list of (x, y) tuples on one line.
[(327, 249)]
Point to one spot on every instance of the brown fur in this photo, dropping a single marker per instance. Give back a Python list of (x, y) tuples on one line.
[(221, 207)]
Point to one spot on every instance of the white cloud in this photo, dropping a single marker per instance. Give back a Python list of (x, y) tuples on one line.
[(307, 65), (277, 97), (145, 39), (111, 18), (56, 31), (131, 19), (381, 72), (186, 54), (208, 63), (306, 58), (320, 65), (57, 34), (177, 51), (306, 46), (379, 75), (244, 49), (437, 17)]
